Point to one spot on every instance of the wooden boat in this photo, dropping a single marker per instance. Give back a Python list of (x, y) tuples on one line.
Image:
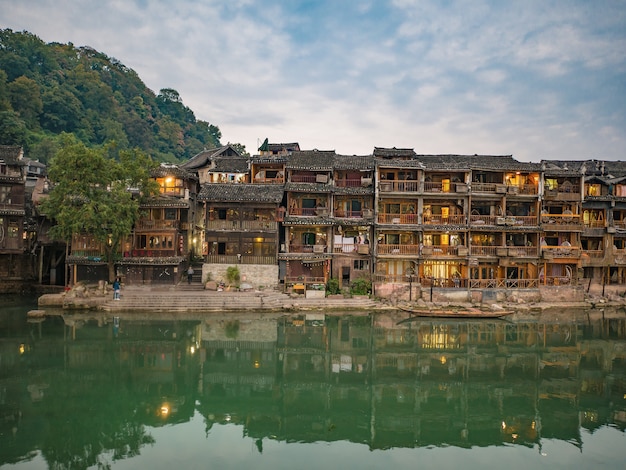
[(469, 312)]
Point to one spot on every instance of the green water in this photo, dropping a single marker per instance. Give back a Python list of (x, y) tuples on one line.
[(356, 391)]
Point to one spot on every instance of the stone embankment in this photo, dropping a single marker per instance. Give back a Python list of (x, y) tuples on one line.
[(598, 301), (193, 298)]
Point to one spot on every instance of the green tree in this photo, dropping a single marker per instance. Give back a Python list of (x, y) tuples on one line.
[(12, 128), (97, 196), (25, 97)]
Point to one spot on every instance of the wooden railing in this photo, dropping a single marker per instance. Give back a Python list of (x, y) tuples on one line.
[(307, 248), (483, 250), (245, 259), (443, 250), (308, 211), (518, 220), (242, 225), (88, 253), (147, 224), (348, 214), (477, 219), (388, 186), (523, 251), (457, 219), (560, 251), (398, 219), (503, 283), (593, 254), (397, 249), (348, 183), (149, 253), (362, 249), (441, 187), (485, 187)]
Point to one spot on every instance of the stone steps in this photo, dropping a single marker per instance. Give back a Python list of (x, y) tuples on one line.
[(188, 298)]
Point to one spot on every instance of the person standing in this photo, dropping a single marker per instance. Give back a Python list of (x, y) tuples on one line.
[(116, 289), (189, 275)]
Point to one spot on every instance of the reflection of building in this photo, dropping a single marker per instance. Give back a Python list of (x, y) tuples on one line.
[(314, 379)]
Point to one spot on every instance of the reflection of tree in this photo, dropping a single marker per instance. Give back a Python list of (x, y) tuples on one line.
[(105, 423)]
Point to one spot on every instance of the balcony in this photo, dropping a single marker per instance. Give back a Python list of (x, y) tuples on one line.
[(149, 253), (429, 251), (396, 186), (561, 222), (518, 221), (486, 250), (491, 188), (242, 225), (361, 249), (397, 219), (523, 251), (478, 219), (307, 248), (592, 258), (457, 219), (398, 249), (148, 224), (350, 183), (560, 252), (565, 192), (444, 187), (245, 259)]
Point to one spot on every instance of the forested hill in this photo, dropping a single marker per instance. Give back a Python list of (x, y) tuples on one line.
[(48, 89)]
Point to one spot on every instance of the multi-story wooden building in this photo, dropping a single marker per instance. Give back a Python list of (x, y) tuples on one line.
[(162, 240), (12, 212), (397, 218)]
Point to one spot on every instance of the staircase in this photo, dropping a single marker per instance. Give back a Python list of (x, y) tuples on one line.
[(194, 298)]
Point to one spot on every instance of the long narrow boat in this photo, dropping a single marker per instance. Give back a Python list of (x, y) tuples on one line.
[(469, 312)]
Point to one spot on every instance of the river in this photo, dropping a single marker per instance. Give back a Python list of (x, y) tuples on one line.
[(87, 390)]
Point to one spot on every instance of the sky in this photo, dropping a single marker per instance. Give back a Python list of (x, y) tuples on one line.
[(536, 79)]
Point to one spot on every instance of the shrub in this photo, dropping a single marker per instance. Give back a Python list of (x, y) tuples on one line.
[(361, 286), (232, 274), (332, 286)]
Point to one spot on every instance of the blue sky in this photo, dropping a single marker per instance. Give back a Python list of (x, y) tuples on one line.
[(534, 78)]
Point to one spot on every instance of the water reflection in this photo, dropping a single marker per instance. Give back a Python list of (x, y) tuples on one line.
[(76, 386)]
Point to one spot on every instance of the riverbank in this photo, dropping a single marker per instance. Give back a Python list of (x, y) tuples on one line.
[(599, 301)]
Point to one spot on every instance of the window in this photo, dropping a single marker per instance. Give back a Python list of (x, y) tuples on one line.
[(361, 265)]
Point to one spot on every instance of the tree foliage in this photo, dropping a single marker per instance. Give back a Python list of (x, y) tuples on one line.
[(95, 195), (51, 89)]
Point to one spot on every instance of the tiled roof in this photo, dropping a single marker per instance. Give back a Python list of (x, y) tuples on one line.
[(393, 152), (166, 201), (319, 160), (206, 157), (398, 163), (309, 187), (475, 162), (263, 193), (230, 165), (289, 147), (168, 169), (562, 167), (11, 154), (281, 159), (354, 190), (324, 220), (353, 162)]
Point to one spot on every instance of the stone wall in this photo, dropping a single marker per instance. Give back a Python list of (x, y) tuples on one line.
[(257, 275)]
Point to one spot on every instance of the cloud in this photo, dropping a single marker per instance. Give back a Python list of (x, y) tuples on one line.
[(532, 79)]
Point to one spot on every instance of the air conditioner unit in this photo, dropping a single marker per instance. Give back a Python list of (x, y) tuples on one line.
[(366, 181), (321, 178)]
